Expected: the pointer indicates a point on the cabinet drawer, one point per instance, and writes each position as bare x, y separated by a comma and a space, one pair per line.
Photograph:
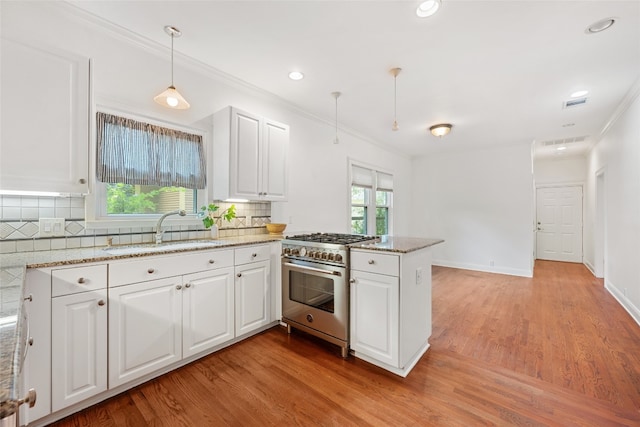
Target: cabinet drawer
151, 268
375, 263
66, 281
252, 254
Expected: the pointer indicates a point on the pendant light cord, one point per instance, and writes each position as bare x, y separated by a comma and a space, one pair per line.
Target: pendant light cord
395, 98
172, 37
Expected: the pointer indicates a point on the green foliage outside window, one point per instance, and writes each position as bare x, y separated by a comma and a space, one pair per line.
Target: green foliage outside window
144, 199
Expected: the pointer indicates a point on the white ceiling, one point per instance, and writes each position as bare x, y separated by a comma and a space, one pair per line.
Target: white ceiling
499, 71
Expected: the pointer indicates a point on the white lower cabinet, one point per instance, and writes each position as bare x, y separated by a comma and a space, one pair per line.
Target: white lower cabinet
78, 347
207, 310
145, 328
374, 316
253, 301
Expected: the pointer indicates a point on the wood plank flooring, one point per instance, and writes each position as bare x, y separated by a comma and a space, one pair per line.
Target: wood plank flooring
555, 350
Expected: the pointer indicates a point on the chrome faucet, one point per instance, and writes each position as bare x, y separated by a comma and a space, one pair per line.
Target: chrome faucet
159, 231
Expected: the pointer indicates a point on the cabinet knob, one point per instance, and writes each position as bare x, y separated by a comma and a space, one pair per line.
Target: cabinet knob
178, 287
239, 274
151, 271
371, 261
254, 255
81, 280
82, 181
29, 298
30, 398
212, 261
101, 302
188, 285
352, 281
30, 341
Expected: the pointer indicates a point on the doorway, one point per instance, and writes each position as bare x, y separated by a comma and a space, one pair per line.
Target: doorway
559, 223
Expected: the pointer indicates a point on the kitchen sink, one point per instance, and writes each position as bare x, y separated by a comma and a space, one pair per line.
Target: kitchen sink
149, 248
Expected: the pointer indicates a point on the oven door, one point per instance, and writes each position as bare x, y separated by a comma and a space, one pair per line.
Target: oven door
315, 295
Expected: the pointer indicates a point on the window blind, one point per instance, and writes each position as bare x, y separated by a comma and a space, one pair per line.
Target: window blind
363, 177
138, 153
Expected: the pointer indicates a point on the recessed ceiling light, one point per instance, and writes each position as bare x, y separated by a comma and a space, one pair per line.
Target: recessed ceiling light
579, 93
427, 8
561, 148
296, 75
600, 25
568, 125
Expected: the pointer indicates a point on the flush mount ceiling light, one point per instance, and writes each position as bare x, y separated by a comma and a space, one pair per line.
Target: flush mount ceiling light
600, 25
296, 75
394, 72
561, 148
579, 93
171, 98
441, 129
427, 8
336, 95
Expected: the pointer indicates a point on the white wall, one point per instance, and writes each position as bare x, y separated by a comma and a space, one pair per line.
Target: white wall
618, 155
128, 72
481, 203
560, 170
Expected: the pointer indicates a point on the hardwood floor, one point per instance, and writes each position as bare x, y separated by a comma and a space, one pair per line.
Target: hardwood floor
555, 350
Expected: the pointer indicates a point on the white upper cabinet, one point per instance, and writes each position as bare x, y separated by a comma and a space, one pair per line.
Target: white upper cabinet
44, 119
249, 157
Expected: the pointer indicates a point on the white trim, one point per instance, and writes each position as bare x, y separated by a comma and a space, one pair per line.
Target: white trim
476, 267
372, 194
633, 311
622, 108
589, 266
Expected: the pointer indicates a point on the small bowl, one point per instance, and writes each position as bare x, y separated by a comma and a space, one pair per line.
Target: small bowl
275, 228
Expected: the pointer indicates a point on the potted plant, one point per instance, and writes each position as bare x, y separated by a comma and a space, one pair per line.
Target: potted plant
209, 220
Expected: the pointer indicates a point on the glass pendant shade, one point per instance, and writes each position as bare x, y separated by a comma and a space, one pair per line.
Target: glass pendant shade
171, 98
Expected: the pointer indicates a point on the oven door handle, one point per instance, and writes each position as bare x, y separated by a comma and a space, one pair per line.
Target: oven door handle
315, 270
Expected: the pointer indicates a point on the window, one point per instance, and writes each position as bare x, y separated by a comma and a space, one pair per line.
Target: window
145, 169
371, 201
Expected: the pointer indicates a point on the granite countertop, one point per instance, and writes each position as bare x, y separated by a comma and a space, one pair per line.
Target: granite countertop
12, 275
398, 244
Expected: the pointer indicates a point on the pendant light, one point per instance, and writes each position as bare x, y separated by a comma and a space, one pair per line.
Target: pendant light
394, 72
171, 98
336, 95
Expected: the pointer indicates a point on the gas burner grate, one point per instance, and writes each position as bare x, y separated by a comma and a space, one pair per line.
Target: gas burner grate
334, 238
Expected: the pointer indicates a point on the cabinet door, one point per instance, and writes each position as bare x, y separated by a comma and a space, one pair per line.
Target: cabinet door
45, 119
245, 168
145, 328
207, 310
374, 316
252, 293
275, 149
78, 347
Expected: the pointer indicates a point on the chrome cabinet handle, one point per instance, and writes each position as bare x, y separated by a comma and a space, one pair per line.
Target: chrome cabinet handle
30, 341
239, 274
188, 285
29, 298
178, 287
30, 398
212, 261
101, 302
81, 280
371, 261
151, 271
352, 281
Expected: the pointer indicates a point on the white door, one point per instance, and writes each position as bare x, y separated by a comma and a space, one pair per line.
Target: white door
78, 347
145, 328
253, 300
559, 223
274, 160
246, 169
207, 310
375, 316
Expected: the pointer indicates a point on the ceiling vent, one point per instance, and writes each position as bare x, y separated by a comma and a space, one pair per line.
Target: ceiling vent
564, 141
574, 102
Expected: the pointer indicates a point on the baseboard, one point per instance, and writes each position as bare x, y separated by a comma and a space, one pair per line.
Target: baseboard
633, 311
476, 267
590, 267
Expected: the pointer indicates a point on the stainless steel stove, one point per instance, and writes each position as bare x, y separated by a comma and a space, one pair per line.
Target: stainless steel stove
315, 284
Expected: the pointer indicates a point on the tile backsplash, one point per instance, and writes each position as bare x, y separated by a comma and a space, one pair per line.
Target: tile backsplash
19, 225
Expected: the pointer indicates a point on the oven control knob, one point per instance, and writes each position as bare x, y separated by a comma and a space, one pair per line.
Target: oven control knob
324, 255
338, 258
303, 251
318, 255
287, 251
311, 254
332, 257
309, 318
295, 251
